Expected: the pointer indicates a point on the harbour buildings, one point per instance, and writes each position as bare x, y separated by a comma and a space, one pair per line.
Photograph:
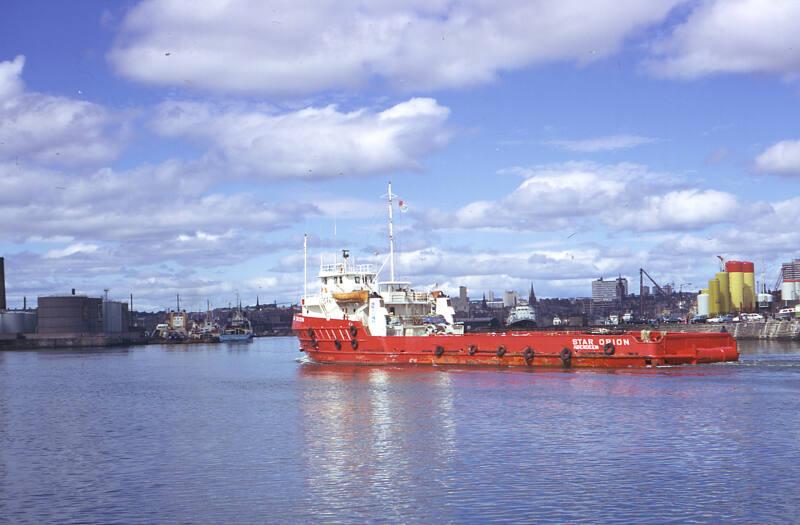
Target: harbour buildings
790, 282
609, 291
70, 314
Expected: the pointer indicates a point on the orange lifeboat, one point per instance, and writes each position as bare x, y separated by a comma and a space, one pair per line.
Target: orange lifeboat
359, 296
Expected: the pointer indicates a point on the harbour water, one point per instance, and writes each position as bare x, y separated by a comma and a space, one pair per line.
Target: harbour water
245, 433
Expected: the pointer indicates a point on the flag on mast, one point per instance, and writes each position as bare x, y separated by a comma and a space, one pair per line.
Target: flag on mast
402, 205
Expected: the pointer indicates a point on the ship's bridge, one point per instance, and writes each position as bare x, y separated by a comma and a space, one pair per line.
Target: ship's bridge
345, 275
398, 292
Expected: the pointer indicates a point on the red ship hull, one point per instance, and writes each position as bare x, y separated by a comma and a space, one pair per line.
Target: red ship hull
347, 342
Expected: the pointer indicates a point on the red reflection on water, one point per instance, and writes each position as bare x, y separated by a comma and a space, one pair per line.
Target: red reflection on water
618, 382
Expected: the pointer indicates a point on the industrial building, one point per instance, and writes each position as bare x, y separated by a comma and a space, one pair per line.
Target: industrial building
70, 314
116, 318
790, 281
609, 291
2, 284
510, 298
13, 322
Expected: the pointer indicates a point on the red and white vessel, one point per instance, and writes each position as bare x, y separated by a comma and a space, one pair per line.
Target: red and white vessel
357, 319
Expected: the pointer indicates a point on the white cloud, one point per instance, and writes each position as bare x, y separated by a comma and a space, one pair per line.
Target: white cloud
312, 142
782, 158
607, 143
106, 205
291, 47
72, 249
11, 78
733, 36
53, 130
767, 235
578, 195
678, 210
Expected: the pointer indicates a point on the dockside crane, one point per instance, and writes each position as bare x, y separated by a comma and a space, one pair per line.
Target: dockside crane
642, 274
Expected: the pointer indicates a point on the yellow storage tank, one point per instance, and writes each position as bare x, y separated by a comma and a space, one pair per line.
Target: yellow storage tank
736, 287
713, 297
749, 274
724, 292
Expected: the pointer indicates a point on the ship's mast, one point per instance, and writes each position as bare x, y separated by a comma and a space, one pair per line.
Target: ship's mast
391, 236
305, 266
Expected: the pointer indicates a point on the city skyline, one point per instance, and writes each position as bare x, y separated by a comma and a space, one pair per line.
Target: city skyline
158, 148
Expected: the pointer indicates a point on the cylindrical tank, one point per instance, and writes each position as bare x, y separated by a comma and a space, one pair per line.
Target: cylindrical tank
749, 275
788, 291
736, 277
702, 304
724, 292
17, 322
713, 297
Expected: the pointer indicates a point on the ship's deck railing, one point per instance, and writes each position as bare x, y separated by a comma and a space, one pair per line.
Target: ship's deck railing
404, 297
340, 268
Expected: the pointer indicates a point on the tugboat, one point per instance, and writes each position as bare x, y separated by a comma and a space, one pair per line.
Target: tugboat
206, 332
357, 319
238, 328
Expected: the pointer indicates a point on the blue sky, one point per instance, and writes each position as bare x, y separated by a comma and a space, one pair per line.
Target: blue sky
168, 147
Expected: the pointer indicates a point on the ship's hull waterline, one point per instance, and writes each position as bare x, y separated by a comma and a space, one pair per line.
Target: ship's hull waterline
347, 342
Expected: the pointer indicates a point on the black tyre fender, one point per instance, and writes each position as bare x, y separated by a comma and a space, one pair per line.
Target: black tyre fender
310, 333
353, 331
565, 355
609, 348
528, 354
501, 351
354, 344
472, 350
439, 351
337, 344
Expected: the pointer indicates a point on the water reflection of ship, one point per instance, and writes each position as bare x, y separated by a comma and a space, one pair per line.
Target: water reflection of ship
373, 430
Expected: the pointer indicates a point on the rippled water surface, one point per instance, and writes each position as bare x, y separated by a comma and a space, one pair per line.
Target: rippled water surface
245, 433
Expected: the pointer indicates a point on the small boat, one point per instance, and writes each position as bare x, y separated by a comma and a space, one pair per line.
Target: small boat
521, 317
238, 328
206, 332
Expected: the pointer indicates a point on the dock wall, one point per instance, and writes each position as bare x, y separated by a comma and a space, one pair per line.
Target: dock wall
67, 340
772, 329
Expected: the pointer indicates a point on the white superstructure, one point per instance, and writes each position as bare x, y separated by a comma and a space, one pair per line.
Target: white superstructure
351, 291
521, 313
